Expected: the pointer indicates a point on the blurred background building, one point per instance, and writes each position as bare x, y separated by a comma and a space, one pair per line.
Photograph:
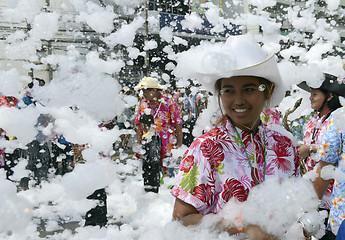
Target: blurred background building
158, 15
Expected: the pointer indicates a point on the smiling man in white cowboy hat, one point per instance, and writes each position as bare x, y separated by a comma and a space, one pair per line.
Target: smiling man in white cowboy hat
167, 121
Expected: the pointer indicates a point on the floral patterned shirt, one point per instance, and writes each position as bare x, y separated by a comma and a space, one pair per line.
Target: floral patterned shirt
270, 116
215, 168
8, 101
312, 135
331, 149
297, 125
166, 116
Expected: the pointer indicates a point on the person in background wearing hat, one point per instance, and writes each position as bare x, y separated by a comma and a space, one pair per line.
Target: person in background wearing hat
331, 152
324, 100
166, 115
241, 152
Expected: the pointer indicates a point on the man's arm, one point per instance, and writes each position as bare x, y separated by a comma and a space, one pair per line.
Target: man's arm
179, 135
139, 129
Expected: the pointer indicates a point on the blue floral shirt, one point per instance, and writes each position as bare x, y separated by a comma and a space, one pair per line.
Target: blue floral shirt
298, 124
331, 149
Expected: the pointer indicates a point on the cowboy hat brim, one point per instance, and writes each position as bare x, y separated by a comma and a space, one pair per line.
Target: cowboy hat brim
148, 82
265, 69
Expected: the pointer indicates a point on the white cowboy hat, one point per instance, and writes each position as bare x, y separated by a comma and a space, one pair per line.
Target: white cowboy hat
239, 56
148, 82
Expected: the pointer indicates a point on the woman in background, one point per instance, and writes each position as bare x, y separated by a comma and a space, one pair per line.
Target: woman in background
324, 100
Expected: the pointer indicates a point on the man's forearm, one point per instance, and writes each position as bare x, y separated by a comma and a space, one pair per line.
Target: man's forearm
179, 135
139, 134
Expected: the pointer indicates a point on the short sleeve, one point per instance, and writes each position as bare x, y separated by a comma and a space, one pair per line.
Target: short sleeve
194, 183
330, 145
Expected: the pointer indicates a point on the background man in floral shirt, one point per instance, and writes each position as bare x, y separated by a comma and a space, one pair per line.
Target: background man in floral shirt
167, 119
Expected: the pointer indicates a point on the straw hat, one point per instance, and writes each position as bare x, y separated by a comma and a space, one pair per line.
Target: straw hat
148, 82
239, 56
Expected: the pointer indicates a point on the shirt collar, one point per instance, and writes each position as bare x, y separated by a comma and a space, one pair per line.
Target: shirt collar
230, 128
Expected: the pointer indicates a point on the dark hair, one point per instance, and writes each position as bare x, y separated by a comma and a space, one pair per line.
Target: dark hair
334, 103
40, 81
269, 87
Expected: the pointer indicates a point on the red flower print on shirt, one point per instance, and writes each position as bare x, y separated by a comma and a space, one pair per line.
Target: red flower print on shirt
234, 188
246, 138
195, 143
233, 177
213, 133
307, 135
212, 149
204, 193
258, 176
257, 149
187, 164
281, 149
282, 140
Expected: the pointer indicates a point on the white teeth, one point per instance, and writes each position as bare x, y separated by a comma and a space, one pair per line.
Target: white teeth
240, 110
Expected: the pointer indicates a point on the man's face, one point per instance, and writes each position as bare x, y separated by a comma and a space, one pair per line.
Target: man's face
150, 94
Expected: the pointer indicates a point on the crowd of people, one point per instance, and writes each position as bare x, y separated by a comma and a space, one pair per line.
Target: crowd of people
238, 153
42, 152
57, 152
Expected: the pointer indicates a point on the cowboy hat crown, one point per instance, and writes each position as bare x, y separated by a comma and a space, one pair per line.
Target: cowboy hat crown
148, 82
240, 55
